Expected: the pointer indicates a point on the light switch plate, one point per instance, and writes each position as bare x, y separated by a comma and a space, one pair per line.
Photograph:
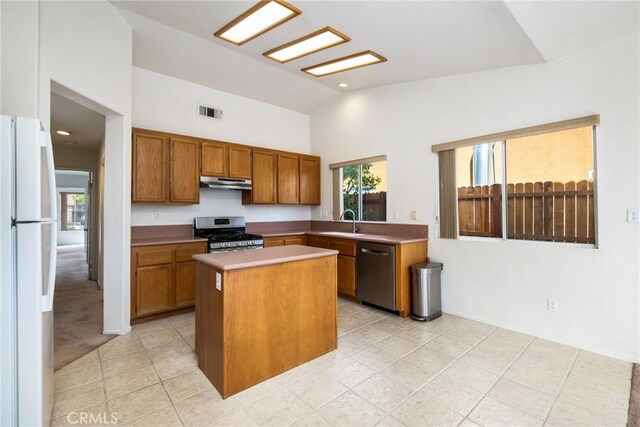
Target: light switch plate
218, 281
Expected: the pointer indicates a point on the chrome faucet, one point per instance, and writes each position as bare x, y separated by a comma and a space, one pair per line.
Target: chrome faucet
354, 229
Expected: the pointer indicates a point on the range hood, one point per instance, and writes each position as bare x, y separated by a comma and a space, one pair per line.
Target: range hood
225, 183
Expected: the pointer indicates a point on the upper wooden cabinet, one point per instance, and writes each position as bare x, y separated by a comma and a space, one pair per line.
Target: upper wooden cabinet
215, 159
264, 179
184, 171
288, 179
239, 162
309, 180
149, 165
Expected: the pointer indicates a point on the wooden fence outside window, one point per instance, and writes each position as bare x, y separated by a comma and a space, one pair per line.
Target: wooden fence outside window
547, 211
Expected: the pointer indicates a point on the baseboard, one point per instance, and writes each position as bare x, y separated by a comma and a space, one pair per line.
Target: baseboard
116, 331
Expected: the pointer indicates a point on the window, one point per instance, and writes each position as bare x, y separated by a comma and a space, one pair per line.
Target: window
361, 186
72, 211
549, 191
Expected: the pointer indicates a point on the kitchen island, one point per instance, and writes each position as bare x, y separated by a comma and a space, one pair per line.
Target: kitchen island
262, 312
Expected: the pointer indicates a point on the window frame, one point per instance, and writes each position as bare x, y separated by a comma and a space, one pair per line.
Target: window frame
64, 223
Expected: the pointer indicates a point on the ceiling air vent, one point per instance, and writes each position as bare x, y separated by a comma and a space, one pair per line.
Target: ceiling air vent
210, 112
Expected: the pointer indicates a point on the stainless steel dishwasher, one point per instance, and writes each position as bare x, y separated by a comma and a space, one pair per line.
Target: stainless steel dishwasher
376, 268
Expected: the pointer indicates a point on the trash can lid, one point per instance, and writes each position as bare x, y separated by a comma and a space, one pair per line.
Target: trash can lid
426, 265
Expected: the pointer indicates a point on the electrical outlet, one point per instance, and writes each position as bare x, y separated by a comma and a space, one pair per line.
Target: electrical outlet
218, 281
414, 215
552, 305
156, 216
633, 215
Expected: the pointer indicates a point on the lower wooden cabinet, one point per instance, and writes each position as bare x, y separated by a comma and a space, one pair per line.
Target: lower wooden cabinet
272, 241
163, 277
347, 275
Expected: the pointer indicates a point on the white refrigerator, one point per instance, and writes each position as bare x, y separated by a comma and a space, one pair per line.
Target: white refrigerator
28, 215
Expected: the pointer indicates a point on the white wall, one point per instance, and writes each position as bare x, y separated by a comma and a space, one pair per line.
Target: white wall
168, 104
507, 283
86, 48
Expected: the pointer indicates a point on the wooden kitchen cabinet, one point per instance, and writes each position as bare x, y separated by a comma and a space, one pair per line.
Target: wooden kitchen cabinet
288, 179
272, 241
347, 275
163, 277
309, 180
264, 179
239, 162
184, 171
215, 160
149, 164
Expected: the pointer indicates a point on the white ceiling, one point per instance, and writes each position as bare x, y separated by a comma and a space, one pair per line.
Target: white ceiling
86, 126
420, 39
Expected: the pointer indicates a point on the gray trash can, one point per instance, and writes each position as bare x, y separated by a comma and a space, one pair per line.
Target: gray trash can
426, 303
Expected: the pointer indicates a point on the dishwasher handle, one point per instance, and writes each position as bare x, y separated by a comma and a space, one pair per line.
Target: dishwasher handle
374, 252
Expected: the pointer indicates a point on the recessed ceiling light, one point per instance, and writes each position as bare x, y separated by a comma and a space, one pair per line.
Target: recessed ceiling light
350, 62
318, 40
63, 132
260, 18
343, 84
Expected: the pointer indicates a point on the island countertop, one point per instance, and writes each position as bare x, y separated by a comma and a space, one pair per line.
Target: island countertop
258, 257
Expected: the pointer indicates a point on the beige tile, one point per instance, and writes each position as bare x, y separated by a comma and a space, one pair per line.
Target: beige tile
347, 324
146, 328
351, 410
525, 398
279, 408
191, 341
90, 358
311, 420
78, 398
186, 385
70, 378
369, 316
120, 346
471, 376
375, 357
567, 414
536, 377
455, 396
159, 337
418, 334
613, 406
257, 391
468, 423
608, 374
391, 324
468, 332
553, 357
187, 328
389, 421
128, 362
349, 344
383, 392
447, 346
348, 372
167, 417
95, 415
139, 403
418, 367
421, 411
127, 382
171, 349
493, 413
509, 339
181, 319
396, 345
599, 363
237, 418
176, 365
317, 389
294, 374
369, 334
204, 408
346, 310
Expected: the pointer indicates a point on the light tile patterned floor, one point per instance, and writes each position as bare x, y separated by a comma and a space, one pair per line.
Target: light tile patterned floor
387, 371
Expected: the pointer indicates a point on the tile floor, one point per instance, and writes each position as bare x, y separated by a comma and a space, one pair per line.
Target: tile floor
387, 371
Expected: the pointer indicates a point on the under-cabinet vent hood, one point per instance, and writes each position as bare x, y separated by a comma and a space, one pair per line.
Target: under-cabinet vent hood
225, 183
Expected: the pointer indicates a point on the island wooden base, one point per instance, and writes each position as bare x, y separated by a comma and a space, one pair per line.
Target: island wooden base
265, 321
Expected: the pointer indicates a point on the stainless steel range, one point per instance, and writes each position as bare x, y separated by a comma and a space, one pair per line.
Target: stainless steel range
226, 234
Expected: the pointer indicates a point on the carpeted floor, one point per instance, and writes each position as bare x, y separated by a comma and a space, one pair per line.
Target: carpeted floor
77, 308
634, 400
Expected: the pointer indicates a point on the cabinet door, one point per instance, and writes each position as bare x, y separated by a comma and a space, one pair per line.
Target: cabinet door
264, 183
317, 242
185, 171
154, 289
347, 275
288, 179
294, 240
149, 168
309, 180
270, 242
214, 159
185, 283
239, 162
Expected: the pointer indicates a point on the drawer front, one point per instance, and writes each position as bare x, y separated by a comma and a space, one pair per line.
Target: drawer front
345, 247
154, 257
187, 251
270, 242
317, 242
294, 240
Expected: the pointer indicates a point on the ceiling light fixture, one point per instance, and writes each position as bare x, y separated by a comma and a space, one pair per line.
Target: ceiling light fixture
318, 40
343, 84
362, 59
262, 17
63, 132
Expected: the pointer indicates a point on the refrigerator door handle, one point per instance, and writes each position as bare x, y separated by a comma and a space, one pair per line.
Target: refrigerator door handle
47, 299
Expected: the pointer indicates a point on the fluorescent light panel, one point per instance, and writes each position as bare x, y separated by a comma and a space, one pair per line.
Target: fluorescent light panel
350, 62
262, 17
318, 40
